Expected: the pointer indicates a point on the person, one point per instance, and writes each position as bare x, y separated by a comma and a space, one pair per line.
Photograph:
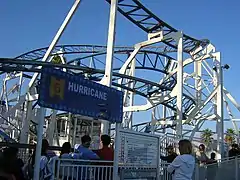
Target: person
201, 155
10, 164
212, 159
66, 150
83, 152
183, 165
171, 155
67, 171
6, 176
105, 153
212, 167
234, 151
44, 169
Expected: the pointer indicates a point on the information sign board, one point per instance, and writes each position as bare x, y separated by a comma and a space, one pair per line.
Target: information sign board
73, 93
138, 149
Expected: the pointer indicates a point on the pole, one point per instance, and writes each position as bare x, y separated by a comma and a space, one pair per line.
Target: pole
105, 126
221, 124
56, 38
179, 86
116, 151
41, 117
219, 106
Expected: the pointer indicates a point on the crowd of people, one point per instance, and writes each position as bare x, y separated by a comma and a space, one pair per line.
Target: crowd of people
12, 168
180, 166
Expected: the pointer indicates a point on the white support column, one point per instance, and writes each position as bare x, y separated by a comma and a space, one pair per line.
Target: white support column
179, 85
41, 119
56, 38
24, 136
51, 128
131, 94
164, 108
69, 124
198, 81
105, 126
74, 131
220, 106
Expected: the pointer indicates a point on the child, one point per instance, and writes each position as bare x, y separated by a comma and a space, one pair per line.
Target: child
183, 166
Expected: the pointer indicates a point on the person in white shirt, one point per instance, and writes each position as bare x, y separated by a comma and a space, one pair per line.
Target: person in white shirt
183, 165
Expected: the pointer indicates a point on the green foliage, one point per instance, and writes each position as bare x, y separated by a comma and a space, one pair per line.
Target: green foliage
230, 136
206, 137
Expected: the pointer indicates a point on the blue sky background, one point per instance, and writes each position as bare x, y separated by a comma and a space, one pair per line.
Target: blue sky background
26, 25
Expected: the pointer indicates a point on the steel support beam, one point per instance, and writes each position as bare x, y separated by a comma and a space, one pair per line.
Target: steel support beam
219, 106
179, 85
107, 79
51, 128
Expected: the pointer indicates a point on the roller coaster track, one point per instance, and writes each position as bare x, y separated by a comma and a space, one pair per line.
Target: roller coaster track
142, 87
138, 14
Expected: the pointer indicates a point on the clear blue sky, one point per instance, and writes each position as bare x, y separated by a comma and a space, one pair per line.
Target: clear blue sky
26, 25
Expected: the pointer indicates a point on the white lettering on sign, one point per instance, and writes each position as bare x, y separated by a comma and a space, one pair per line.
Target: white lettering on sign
77, 88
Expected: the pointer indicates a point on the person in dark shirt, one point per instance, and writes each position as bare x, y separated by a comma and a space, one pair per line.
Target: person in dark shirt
212, 160
234, 151
171, 155
11, 164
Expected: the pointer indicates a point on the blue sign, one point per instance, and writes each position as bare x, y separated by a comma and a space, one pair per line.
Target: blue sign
72, 93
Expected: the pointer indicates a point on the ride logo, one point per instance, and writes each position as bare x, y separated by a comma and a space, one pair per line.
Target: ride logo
57, 88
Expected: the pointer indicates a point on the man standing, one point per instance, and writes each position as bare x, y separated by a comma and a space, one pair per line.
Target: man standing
105, 153
83, 152
171, 155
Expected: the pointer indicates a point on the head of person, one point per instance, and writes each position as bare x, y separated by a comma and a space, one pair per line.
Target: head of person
185, 147
66, 148
86, 141
170, 149
201, 147
213, 155
45, 146
106, 140
10, 153
234, 146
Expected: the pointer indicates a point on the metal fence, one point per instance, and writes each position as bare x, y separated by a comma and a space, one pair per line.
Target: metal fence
69, 169
224, 170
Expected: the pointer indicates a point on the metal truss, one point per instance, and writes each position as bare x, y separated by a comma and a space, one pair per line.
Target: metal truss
138, 14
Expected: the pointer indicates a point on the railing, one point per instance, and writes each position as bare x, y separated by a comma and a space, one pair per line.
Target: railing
224, 170
68, 169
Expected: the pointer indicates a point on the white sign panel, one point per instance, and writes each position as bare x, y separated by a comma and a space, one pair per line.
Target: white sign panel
138, 148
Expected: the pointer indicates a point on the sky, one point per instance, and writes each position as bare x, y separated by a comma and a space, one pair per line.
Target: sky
26, 25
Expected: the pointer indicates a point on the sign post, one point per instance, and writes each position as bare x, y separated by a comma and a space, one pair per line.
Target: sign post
41, 119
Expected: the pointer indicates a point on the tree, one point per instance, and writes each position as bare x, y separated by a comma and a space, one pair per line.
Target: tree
206, 137
230, 136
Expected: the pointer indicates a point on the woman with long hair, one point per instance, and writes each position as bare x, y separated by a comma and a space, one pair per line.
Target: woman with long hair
183, 165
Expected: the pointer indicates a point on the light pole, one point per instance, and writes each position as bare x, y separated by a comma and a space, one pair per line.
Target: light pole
220, 120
